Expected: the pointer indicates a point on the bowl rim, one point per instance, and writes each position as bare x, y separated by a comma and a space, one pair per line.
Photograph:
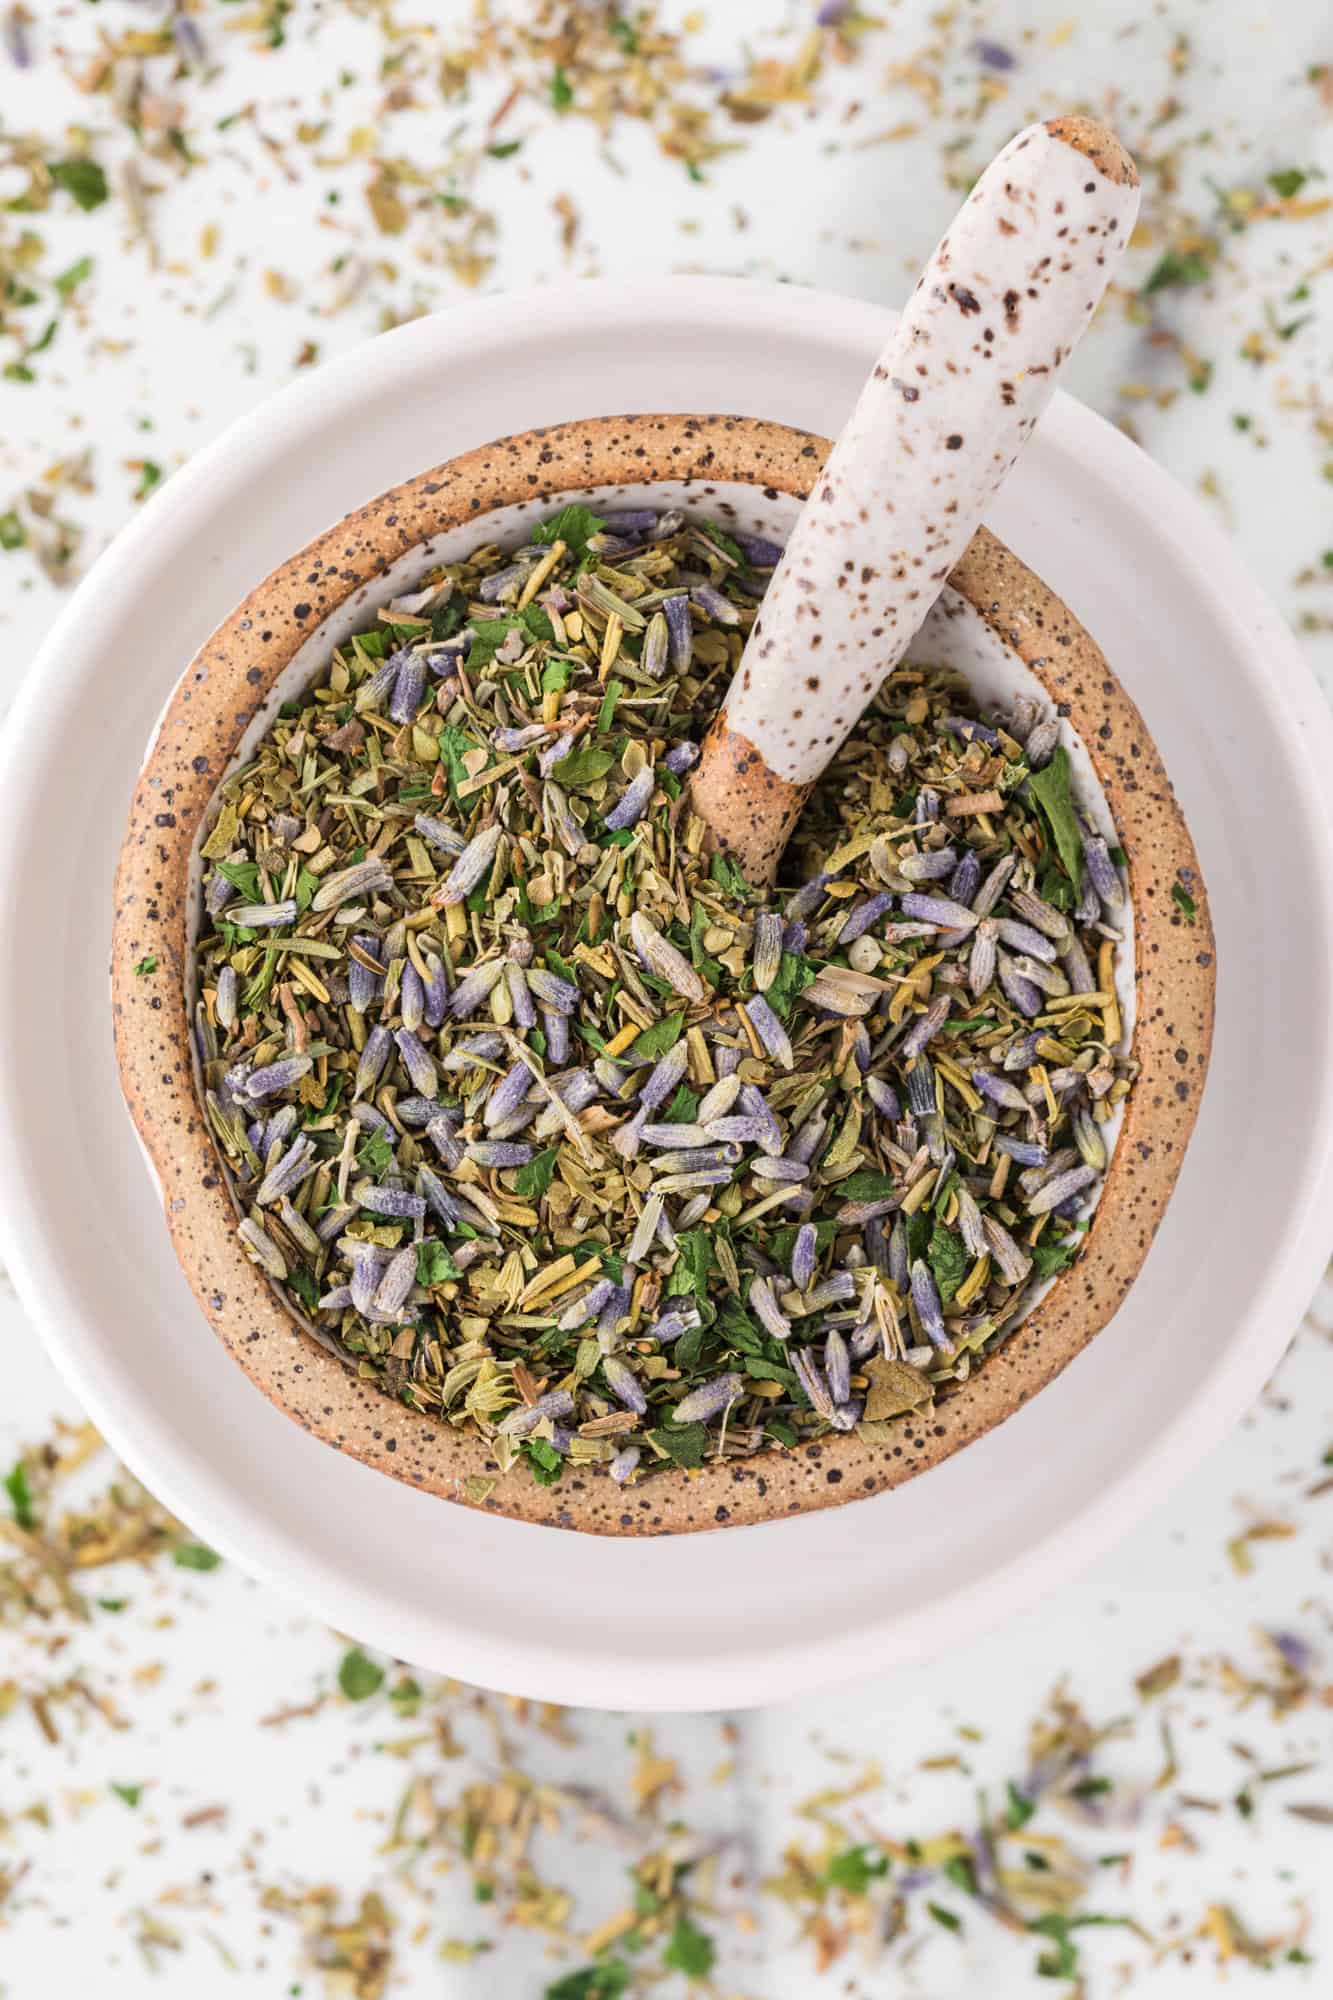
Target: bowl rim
216, 701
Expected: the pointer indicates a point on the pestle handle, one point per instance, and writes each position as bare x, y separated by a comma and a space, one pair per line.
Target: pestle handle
971, 365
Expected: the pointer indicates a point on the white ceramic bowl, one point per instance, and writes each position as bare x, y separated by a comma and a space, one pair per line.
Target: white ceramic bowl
756, 1613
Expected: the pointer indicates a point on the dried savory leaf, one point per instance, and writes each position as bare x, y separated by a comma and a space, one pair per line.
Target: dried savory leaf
895, 1387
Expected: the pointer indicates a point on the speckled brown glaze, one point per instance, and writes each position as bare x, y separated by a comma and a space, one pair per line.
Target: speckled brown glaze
750, 811
1097, 145
205, 719
965, 375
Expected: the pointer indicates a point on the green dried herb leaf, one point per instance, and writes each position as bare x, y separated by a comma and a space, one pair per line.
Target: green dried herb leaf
582, 767
655, 1041
686, 1444
867, 1185
13, 534
145, 966
723, 541
614, 690
129, 1795
739, 1330
1050, 1257
434, 1264
855, 1869
1018, 1808
446, 619
689, 1348
729, 878
489, 634
1050, 788
375, 1154
303, 1283
359, 1677
20, 1497
572, 526
69, 280
707, 968
454, 746
1174, 267
1062, 1963
606, 1981
694, 1264
194, 1555
533, 1180
689, 1950
948, 1261
81, 179
794, 974
243, 875
546, 1462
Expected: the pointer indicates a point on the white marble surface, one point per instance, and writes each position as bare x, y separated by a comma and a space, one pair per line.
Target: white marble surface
151, 359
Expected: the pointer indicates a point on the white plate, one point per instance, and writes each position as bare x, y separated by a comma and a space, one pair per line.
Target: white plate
749, 1614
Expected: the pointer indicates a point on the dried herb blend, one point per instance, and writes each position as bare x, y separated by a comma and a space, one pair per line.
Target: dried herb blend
547, 1121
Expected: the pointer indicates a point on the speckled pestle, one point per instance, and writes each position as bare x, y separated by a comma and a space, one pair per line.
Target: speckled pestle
950, 403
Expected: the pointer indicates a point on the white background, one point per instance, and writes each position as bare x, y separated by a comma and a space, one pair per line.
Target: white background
154, 358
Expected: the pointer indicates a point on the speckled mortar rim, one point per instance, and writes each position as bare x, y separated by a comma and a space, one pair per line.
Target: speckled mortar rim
209, 712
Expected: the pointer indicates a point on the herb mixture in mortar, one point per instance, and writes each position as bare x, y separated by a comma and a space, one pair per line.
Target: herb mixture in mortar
549, 1123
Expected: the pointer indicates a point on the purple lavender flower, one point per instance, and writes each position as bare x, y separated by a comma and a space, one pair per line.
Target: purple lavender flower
864, 916
709, 1400
624, 1384
438, 834
409, 687
680, 758
276, 1076
680, 632
1025, 996
633, 802
392, 1201
373, 1057
926, 1299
